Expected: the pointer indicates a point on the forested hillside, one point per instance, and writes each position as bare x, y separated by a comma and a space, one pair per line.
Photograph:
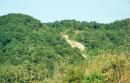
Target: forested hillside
35, 52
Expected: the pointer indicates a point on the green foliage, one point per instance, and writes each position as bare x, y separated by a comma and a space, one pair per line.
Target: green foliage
94, 78
23, 73
26, 43
74, 75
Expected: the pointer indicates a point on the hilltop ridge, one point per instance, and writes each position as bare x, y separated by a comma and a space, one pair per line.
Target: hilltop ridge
32, 51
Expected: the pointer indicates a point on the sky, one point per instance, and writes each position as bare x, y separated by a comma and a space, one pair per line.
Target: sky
103, 11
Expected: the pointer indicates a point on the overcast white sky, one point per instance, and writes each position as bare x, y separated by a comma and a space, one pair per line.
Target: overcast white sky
83, 10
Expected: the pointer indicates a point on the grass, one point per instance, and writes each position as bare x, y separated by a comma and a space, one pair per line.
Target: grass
105, 68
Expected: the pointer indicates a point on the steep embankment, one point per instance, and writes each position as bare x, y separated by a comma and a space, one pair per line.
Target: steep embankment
75, 44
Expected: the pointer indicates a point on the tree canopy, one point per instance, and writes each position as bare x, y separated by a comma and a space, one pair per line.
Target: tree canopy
28, 44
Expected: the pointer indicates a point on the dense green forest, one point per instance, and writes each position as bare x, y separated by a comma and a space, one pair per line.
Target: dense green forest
35, 52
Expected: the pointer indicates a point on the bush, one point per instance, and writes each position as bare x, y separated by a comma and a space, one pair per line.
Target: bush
74, 75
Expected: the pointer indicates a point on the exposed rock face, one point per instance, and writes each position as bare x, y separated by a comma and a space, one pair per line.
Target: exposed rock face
75, 44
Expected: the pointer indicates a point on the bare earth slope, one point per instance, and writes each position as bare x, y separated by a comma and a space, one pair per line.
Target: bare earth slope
75, 44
